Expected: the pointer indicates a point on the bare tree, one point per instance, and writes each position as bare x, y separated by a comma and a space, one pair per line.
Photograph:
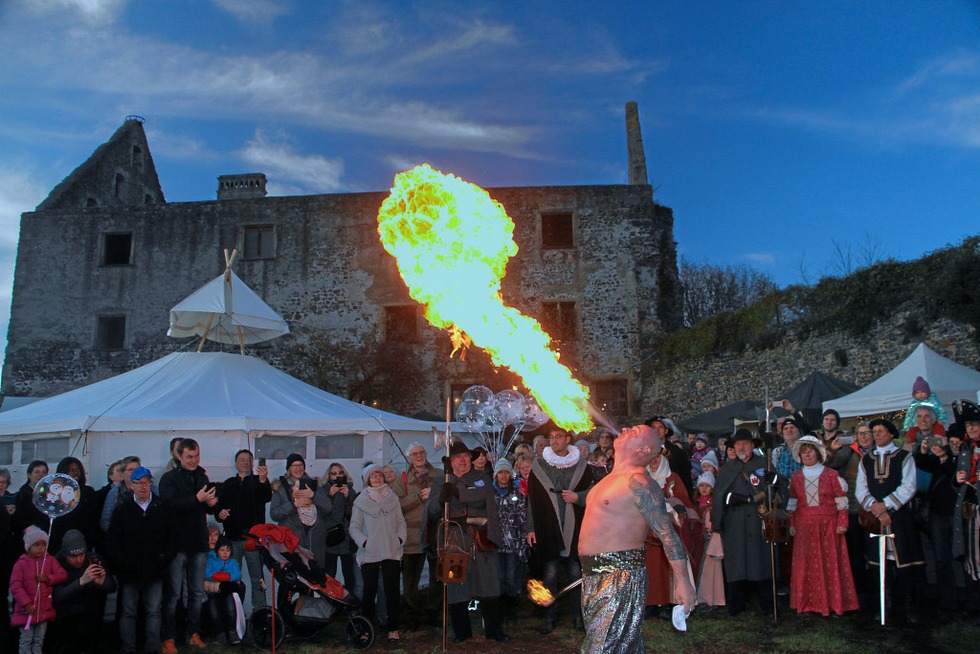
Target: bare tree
709, 290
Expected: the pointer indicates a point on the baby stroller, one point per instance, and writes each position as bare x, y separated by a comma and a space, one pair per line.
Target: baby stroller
306, 600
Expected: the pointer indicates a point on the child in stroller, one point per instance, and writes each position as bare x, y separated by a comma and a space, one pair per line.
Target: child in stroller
306, 600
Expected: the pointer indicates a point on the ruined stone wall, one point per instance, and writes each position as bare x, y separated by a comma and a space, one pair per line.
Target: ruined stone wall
690, 388
329, 276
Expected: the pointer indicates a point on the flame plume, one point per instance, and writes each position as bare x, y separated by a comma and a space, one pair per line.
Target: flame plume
452, 242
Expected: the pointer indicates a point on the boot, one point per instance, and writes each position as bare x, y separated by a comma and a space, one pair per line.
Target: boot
460, 617
492, 620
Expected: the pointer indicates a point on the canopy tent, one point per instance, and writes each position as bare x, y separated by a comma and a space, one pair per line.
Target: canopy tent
723, 419
226, 401
810, 394
227, 311
893, 391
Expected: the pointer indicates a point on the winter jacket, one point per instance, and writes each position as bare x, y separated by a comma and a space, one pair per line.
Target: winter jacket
178, 489
73, 600
245, 498
408, 487
283, 512
25, 590
216, 565
338, 513
378, 528
136, 542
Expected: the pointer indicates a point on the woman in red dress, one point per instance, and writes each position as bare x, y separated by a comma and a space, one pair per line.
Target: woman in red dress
822, 581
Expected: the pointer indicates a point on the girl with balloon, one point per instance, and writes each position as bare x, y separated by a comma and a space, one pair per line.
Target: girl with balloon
35, 573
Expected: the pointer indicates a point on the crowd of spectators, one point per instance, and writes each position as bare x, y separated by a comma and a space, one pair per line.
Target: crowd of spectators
168, 553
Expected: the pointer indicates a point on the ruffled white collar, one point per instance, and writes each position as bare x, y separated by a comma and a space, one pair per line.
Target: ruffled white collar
566, 461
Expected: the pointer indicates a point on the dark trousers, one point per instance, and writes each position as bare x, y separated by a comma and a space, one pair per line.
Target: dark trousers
550, 571
737, 594
941, 532
388, 570
219, 610
131, 595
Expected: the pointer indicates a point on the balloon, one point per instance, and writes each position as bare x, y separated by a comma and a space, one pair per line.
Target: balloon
482, 395
511, 404
495, 420
534, 416
471, 414
56, 495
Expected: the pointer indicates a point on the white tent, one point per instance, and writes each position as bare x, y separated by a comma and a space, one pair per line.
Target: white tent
225, 401
893, 390
226, 310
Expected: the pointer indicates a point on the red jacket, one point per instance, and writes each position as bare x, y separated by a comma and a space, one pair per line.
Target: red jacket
24, 588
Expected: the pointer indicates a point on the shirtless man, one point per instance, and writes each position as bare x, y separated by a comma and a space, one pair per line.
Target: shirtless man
621, 509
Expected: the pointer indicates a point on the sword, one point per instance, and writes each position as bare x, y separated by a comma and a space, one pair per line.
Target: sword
882, 562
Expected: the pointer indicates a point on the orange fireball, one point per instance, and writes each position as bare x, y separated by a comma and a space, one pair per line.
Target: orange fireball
452, 242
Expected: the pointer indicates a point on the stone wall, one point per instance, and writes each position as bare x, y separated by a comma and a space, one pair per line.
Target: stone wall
690, 388
330, 279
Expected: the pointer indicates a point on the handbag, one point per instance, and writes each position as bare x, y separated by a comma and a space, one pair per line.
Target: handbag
482, 542
336, 535
969, 510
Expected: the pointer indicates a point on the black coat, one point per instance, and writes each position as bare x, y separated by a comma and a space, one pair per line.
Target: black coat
72, 600
179, 488
245, 499
136, 542
545, 504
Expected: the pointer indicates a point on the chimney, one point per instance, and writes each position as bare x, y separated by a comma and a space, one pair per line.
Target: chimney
241, 187
637, 164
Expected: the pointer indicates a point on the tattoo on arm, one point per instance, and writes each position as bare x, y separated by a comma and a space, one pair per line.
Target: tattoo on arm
651, 505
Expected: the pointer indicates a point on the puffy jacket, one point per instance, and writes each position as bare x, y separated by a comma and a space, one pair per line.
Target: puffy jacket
25, 590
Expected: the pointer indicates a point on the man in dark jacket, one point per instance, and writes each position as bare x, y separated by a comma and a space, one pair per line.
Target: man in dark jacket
556, 493
136, 545
241, 506
190, 497
739, 491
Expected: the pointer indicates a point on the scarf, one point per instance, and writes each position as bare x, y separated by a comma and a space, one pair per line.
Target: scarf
560, 462
377, 493
502, 491
814, 471
661, 473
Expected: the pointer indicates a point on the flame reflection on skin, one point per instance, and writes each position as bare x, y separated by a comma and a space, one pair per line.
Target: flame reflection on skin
538, 593
452, 242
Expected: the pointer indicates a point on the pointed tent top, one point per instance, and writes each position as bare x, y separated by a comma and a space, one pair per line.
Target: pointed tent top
226, 310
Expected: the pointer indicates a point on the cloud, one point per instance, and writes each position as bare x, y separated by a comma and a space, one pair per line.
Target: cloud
760, 257
254, 11
91, 11
289, 172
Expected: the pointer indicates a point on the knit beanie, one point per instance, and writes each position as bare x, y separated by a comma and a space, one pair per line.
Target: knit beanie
503, 464
921, 385
706, 478
711, 458
73, 543
368, 469
294, 458
33, 535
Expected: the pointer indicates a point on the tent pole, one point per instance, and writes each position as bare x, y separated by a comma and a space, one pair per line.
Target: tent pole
207, 330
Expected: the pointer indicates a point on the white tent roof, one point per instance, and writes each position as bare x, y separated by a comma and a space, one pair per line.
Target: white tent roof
197, 391
226, 310
893, 390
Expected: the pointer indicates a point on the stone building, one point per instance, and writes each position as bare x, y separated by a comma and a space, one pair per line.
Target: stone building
102, 260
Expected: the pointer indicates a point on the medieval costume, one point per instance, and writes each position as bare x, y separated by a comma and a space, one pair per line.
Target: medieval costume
888, 475
822, 580
966, 525
472, 507
687, 524
739, 489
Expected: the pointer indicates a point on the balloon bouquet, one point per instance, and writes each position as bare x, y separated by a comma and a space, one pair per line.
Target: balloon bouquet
489, 414
54, 496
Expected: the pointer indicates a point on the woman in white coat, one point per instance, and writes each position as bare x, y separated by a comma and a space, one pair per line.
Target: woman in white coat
377, 527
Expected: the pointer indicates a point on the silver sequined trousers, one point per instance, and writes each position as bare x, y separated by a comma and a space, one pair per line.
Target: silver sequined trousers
614, 590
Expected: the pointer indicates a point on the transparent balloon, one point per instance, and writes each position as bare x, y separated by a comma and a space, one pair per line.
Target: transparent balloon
534, 415
482, 395
56, 495
511, 404
471, 415
495, 421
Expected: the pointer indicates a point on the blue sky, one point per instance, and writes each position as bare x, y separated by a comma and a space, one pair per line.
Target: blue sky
777, 131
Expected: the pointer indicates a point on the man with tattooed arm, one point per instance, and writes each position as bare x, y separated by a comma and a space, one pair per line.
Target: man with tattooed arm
620, 510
